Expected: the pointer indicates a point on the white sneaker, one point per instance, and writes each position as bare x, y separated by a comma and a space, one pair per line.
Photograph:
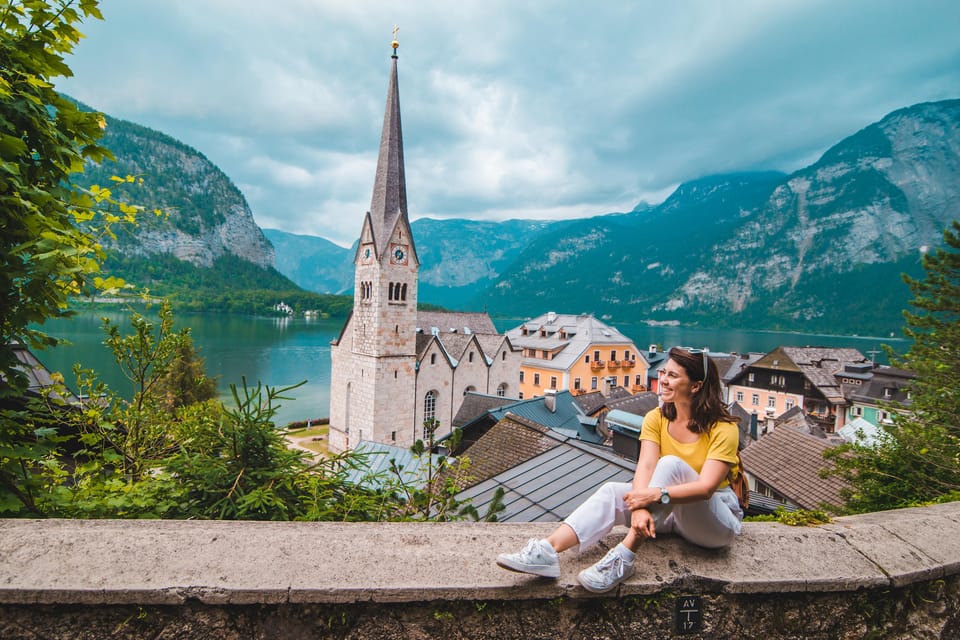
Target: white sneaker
606, 574
533, 558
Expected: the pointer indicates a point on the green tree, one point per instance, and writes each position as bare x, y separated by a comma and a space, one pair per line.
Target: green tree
917, 459
50, 241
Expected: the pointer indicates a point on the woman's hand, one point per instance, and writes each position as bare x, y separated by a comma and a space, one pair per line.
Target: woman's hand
641, 498
642, 524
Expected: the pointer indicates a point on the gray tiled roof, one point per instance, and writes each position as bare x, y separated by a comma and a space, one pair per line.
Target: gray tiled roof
477, 404
819, 365
377, 458
461, 322
789, 462
548, 486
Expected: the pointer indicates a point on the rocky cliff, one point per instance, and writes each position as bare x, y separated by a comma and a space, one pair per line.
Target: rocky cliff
207, 217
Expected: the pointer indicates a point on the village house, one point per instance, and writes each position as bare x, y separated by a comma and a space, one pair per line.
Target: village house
393, 368
788, 377
576, 353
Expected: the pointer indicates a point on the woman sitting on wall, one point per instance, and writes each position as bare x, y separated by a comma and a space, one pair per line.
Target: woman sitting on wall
688, 448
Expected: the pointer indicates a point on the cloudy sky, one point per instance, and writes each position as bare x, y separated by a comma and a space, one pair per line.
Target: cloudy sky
529, 109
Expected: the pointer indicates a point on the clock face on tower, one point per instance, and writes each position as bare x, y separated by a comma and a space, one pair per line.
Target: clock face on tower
366, 253
398, 254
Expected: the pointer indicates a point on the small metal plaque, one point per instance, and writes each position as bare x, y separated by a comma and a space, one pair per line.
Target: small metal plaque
689, 615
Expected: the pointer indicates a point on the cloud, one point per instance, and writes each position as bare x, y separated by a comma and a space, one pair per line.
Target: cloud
547, 110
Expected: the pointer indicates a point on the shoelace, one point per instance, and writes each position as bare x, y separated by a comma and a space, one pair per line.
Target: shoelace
611, 561
529, 551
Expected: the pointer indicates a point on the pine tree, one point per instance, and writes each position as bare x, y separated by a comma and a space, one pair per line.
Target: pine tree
918, 457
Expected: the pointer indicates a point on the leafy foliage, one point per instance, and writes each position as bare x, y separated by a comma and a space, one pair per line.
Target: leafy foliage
44, 256
170, 451
917, 459
798, 518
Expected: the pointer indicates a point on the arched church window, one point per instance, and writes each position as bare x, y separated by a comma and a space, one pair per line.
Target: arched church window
390, 293
502, 389
469, 389
503, 356
433, 358
430, 405
403, 292
470, 357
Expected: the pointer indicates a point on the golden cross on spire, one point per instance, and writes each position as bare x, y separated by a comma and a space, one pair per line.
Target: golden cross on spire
395, 43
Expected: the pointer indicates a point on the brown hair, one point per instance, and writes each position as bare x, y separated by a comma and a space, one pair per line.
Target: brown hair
707, 407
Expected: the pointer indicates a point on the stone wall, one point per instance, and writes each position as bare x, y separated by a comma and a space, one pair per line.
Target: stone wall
885, 575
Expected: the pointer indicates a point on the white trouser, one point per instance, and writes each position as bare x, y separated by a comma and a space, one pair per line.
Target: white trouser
709, 523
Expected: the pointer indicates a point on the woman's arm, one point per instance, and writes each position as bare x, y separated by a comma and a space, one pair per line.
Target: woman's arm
712, 475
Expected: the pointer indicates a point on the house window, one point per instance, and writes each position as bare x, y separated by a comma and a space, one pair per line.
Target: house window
638, 381
739, 396
771, 402
430, 405
858, 411
536, 379
586, 359
626, 354
790, 404
750, 377
613, 354
626, 381
502, 389
593, 382
755, 399
521, 376
596, 356
576, 383
520, 396
393, 436
553, 382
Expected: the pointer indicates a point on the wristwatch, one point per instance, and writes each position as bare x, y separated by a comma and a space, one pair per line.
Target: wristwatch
664, 496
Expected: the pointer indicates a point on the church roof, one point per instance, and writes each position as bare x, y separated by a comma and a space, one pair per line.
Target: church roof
455, 322
389, 202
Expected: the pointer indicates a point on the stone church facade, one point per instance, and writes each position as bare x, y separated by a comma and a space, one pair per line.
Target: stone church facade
393, 368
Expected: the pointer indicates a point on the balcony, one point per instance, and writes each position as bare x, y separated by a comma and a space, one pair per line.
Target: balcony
597, 364
628, 364
613, 364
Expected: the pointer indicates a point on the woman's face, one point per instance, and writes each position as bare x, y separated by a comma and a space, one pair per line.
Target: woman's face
675, 384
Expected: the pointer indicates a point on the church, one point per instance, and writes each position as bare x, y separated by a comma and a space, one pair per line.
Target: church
392, 367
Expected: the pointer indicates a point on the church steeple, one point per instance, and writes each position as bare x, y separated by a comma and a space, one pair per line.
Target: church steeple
389, 202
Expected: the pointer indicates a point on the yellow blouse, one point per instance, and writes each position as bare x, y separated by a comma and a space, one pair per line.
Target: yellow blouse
720, 443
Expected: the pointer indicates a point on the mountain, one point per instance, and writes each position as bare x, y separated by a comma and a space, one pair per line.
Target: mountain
313, 263
206, 252
817, 250
454, 264
207, 217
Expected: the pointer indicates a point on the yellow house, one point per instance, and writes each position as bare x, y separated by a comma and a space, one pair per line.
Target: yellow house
577, 353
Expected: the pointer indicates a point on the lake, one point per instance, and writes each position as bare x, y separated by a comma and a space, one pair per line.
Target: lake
284, 351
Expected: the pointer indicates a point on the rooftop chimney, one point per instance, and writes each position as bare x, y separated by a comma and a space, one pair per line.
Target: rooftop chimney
550, 400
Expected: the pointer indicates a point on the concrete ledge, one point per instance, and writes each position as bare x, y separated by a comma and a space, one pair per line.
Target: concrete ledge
97, 562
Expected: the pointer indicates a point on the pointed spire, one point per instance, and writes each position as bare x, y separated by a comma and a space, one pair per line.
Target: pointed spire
389, 200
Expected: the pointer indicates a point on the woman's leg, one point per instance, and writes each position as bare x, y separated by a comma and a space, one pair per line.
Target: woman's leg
710, 523
594, 518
